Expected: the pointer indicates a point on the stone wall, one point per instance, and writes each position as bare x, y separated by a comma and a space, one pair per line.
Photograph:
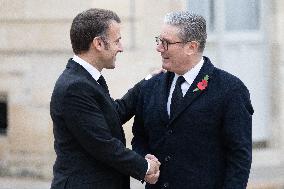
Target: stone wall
34, 47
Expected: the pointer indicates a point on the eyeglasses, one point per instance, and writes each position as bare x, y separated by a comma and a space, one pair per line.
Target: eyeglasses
166, 43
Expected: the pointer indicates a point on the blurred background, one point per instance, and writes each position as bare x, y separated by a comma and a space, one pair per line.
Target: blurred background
244, 38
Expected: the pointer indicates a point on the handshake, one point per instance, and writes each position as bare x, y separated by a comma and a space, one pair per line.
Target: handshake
153, 173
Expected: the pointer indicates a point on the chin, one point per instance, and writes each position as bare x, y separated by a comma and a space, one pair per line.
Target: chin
110, 65
166, 67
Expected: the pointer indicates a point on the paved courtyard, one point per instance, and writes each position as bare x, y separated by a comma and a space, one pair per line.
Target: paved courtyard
262, 178
24, 183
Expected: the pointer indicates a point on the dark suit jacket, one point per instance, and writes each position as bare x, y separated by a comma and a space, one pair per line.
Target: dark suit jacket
89, 139
208, 144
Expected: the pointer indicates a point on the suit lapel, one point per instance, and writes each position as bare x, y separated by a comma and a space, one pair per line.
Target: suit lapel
84, 73
114, 123
80, 70
190, 96
164, 89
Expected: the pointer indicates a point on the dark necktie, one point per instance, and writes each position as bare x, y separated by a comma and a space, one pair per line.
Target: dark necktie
176, 96
103, 84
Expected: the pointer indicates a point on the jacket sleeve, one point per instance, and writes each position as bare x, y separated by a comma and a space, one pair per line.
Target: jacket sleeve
126, 106
86, 122
140, 137
238, 138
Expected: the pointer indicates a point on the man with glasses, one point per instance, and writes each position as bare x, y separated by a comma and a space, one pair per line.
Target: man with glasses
89, 139
196, 119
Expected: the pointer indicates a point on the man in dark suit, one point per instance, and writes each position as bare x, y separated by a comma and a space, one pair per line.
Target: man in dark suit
196, 119
87, 123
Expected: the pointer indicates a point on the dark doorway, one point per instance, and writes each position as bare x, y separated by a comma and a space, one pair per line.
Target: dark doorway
3, 116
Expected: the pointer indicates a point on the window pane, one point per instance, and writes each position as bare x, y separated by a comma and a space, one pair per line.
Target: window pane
204, 8
242, 15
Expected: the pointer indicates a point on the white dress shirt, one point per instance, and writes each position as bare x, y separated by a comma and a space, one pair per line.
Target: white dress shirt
91, 69
189, 78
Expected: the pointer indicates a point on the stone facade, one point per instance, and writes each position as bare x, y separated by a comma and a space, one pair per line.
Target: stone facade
35, 47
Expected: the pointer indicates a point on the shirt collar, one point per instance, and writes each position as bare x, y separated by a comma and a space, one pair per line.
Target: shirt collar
191, 74
91, 69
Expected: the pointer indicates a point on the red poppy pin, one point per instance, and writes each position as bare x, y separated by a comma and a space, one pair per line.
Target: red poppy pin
202, 84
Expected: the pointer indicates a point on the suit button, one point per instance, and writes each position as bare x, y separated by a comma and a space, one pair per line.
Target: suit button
168, 158
166, 185
170, 132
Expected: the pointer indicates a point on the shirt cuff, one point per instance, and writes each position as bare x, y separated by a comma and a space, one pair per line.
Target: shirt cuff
148, 167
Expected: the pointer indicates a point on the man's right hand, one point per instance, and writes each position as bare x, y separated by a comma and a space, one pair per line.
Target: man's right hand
154, 172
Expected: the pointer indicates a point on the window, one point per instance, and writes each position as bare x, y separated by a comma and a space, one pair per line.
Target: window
238, 15
242, 15
206, 8
3, 115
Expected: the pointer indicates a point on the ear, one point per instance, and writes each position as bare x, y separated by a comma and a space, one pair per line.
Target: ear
98, 44
191, 47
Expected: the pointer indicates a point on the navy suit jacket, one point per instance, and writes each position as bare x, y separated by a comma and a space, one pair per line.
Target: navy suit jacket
89, 139
208, 143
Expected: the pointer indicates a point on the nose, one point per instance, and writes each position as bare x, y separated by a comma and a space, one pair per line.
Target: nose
160, 48
120, 48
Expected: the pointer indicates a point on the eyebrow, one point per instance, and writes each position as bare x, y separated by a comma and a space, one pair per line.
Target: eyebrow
165, 39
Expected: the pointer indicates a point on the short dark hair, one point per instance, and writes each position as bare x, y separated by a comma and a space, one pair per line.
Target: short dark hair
90, 24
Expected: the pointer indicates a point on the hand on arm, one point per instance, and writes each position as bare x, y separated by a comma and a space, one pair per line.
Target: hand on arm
155, 72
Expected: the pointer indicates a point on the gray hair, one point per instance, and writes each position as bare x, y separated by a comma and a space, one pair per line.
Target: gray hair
192, 26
